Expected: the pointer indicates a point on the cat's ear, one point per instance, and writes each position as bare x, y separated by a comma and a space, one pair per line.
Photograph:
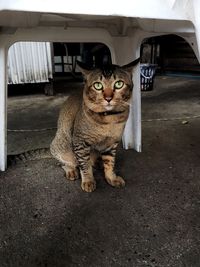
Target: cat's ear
84, 68
130, 66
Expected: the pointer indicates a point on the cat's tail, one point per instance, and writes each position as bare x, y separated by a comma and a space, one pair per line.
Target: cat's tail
35, 154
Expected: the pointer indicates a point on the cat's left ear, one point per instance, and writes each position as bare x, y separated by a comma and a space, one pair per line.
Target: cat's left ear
129, 67
84, 68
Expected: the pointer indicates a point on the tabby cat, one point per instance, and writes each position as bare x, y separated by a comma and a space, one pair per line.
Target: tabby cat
92, 124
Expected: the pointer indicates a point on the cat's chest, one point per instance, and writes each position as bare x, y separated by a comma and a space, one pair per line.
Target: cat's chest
98, 135
107, 138
105, 143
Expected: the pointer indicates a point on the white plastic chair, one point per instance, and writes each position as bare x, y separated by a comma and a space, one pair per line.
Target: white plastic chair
121, 25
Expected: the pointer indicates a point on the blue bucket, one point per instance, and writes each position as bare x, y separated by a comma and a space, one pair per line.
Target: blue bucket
147, 74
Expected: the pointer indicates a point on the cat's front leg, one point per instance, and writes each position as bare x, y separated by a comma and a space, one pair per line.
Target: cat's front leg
108, 158
82, 152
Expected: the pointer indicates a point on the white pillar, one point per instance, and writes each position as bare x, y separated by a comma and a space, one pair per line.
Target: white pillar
126, 50
3, 108
196, 21
132, 137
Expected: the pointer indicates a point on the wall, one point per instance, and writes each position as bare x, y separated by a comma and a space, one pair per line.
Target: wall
29, 62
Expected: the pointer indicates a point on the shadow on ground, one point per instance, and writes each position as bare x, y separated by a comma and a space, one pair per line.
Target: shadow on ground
153, 221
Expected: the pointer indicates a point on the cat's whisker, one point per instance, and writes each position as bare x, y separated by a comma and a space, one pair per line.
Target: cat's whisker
126, 103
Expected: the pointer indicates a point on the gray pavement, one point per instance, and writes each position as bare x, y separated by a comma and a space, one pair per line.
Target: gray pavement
48, 221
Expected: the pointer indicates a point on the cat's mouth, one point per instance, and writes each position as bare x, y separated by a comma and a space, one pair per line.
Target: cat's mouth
108, 107
111, 112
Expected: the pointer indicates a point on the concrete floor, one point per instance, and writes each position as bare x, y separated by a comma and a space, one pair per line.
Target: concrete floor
154, 221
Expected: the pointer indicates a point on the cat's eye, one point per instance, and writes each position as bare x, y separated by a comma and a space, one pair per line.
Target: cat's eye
98, 86
118, 84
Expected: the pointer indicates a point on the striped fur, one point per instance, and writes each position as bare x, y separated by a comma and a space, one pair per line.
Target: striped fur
35, 154
92, 123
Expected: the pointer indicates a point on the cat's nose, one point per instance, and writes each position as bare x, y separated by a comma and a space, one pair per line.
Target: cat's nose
108, 94
108, 98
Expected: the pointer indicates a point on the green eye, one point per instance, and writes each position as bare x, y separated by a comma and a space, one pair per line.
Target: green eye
98, 86
118, 84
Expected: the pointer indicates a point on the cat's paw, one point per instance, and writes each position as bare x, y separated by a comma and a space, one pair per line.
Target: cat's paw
71, 174
116, 182
88, 186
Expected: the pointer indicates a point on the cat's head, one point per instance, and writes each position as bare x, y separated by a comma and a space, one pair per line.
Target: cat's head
108, 88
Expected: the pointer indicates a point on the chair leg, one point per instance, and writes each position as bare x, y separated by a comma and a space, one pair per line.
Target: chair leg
197, 44
132, 133
196, 21
126, 50
3, 109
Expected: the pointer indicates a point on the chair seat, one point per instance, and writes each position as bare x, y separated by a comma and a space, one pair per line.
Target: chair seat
121, 25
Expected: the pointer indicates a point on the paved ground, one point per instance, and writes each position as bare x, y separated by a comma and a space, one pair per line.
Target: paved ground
154, 221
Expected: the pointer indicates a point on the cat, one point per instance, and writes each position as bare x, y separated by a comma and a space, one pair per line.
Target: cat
91, 124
